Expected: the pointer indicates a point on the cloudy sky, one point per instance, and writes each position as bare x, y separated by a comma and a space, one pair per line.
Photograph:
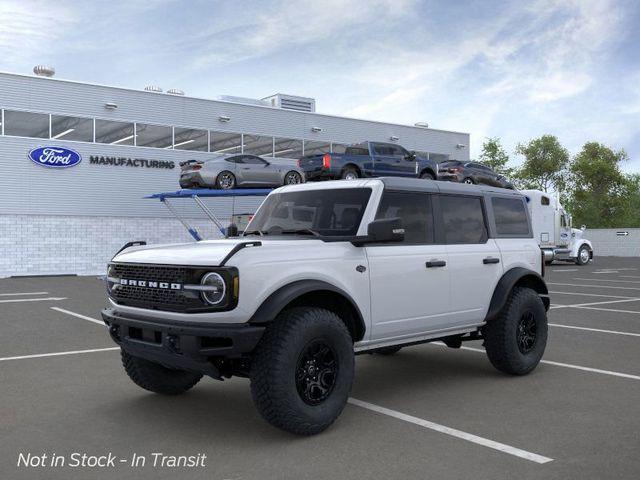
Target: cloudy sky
513, 69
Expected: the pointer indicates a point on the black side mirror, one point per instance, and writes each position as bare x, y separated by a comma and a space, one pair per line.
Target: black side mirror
411, 156
231, 231
384, 230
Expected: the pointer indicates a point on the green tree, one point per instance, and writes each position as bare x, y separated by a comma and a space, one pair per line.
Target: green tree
601, 195
545, 164
495, 156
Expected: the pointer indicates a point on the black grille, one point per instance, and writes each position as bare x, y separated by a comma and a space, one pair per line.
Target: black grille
155, 298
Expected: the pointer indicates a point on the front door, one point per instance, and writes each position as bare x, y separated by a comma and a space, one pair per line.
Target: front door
475, 263
257, 171
409, 280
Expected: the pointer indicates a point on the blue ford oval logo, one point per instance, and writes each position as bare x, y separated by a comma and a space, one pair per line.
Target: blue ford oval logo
55, 157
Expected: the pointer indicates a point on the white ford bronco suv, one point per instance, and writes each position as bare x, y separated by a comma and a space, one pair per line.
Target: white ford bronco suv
325, 271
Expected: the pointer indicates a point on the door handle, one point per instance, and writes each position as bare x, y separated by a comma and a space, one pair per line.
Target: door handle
436, 263
490, 260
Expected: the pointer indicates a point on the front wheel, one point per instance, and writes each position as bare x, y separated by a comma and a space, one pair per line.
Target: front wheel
516, 340
302, 372
427, 176
583, 255
225, 180
292, 178
158, 378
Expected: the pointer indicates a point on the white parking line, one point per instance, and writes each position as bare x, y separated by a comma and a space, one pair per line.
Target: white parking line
629, 276
588, 294
610, 310
74, 314
48, 299
605, 272
577, 305
25, 293
57, 354
594, 286
607, 280
562, 271
598, 330
485, 442
566, 365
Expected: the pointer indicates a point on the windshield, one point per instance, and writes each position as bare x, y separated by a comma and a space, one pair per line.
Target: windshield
328, 212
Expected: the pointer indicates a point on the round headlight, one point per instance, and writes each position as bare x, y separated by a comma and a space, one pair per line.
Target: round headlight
215, 288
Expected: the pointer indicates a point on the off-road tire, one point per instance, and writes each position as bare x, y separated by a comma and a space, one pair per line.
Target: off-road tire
427, 176
579, 260
157, 378
388, 350
348, 172
501, 333
277, 361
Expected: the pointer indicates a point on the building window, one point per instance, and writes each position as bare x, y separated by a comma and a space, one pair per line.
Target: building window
316, 148
190, 139
258, 145
26, 124
156, 136
438, 157
71, 128
114, 133
287, 148
338, 147
226, 143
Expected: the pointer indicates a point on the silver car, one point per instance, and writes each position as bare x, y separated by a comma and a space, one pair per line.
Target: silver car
231, 171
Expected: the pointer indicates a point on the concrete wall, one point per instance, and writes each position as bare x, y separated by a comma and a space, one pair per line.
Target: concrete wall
610, 242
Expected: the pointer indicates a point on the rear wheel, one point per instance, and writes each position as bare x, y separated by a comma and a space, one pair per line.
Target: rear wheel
302, 371
584, 255
427, 176
349, 173
516, 340
225, 180
468, 181
292, 178
158, 378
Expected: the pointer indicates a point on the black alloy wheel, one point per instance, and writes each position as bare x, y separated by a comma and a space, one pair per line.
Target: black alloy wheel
316, 372
526, 332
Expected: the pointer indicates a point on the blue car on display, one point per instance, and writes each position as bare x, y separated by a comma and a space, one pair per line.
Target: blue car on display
368, 159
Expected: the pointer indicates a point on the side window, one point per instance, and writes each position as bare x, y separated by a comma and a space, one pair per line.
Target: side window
511, 217
414, 209
250, 159
381, 149
545, 200
234, 159
463, 219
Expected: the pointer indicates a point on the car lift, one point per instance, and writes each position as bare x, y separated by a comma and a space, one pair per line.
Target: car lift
197, 195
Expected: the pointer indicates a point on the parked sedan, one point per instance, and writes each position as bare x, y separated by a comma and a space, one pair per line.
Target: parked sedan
472, 173
225, 172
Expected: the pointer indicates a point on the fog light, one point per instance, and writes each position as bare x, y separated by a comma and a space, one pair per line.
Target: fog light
215, 288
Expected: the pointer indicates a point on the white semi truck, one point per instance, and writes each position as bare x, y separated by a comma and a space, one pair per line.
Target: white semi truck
553, 230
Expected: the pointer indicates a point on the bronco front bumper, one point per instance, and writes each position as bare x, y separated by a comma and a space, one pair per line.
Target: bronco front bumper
179, 345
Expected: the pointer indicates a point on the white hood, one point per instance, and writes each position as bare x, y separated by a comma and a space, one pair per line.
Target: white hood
200, 253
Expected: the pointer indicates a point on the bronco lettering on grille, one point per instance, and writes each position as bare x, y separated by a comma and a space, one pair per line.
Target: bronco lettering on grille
150, 284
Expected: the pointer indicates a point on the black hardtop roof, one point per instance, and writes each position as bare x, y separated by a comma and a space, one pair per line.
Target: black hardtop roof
433, 186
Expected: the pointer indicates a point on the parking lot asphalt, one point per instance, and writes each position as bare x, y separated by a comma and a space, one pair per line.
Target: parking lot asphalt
427, 412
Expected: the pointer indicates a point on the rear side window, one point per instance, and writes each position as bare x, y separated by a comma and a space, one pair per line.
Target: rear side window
463, 219
510, 216
414, 209
357, 151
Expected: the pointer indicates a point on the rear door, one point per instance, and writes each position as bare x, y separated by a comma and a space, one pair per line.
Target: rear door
475, 264
409, 280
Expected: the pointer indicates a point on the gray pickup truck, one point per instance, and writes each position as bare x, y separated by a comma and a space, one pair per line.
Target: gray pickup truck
368, 159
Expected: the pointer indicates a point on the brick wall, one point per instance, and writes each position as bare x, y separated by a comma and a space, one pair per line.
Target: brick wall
50, 245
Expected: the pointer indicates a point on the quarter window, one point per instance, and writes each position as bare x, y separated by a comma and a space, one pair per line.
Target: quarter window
414, 210
463, 219
510, 216
26, 124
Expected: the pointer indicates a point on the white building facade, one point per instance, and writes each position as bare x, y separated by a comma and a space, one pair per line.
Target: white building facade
129, 144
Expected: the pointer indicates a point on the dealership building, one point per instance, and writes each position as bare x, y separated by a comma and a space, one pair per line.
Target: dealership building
127, 144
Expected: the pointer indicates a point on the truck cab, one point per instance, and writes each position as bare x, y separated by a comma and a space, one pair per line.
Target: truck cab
552, 228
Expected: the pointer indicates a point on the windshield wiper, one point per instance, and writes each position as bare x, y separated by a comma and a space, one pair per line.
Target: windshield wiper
301, 231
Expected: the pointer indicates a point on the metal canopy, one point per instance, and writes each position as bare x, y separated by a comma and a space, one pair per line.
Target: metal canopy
196, 195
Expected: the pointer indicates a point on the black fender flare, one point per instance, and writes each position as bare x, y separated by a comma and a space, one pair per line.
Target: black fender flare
278, 300
516, 276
